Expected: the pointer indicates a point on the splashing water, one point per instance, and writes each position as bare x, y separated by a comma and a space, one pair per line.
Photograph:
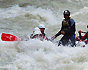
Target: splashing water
21, 17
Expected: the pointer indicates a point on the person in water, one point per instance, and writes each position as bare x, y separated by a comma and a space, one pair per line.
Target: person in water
42, 29
67, 29
83, 38
36, 34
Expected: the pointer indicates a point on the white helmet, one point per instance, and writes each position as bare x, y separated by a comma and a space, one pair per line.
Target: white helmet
36, 31
41, 26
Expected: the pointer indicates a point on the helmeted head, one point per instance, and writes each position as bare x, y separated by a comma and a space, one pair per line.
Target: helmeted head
36, 31
42, 28
66, 14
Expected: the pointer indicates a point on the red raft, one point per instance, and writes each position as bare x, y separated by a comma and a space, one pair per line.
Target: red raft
9, 37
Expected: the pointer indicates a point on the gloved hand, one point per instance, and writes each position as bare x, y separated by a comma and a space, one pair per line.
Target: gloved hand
52, 38
80, 31
77, 38
81, 40
62, 32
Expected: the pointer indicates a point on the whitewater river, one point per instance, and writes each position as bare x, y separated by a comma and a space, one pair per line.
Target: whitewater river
20, 17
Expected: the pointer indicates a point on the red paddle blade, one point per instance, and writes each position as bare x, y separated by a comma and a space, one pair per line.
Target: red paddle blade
8, 37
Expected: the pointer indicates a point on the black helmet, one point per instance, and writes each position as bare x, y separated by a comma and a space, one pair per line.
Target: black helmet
87, 26
66, 12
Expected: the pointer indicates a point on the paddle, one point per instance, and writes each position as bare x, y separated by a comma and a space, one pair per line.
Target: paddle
9, 37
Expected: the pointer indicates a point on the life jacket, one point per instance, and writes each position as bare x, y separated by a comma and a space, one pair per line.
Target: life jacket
85, 38
43, 37
36, 36
67, 24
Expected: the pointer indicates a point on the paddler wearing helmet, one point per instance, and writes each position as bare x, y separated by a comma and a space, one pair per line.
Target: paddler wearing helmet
36, 33
42, 29
67, 29
83, 38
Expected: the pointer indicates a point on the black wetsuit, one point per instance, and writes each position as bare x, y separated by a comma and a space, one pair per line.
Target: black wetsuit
68, 26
